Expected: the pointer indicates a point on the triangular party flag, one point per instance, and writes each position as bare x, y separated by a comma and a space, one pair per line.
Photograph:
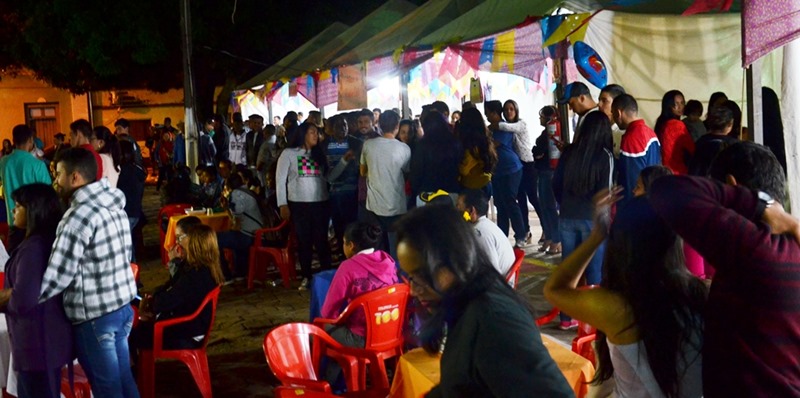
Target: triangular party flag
487, 51
573, 27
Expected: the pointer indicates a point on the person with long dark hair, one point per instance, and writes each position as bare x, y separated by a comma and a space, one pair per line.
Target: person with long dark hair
41, 334
7, 147
435, 160
107, 146
507, 175
480, 156
493, 347
302, 193
773, 125
736, 129
366, 269
717, 98
407, 133
131, 183
546, 155
523, 145
677, 145
586, 167
648, 308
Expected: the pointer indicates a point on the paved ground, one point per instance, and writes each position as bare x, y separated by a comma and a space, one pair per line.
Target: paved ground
237, 364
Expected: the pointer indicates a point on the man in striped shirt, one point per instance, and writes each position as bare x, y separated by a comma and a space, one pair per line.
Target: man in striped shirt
90, 264
751, 342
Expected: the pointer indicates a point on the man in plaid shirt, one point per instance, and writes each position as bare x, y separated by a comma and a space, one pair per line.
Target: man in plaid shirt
90, 264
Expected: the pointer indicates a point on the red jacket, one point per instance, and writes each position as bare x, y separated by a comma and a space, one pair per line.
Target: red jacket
677, 146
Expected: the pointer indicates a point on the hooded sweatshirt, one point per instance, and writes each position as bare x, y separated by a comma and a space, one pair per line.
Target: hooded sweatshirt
362, 273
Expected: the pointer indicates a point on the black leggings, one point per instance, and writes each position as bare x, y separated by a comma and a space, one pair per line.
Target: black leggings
310, 220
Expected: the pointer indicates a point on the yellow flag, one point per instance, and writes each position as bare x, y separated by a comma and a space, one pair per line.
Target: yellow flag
570, 24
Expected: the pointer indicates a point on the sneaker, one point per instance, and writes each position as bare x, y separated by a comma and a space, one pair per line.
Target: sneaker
304, 285
239, 279
567, 325
227, 282
520, 244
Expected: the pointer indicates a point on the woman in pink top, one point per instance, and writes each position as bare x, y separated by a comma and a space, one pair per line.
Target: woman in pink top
366, 269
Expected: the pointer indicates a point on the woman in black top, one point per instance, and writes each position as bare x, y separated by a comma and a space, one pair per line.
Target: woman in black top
435, 160
491, 346
184, 292
585, 168
544, 168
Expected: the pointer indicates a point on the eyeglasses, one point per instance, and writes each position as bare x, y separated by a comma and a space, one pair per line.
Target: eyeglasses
417, 283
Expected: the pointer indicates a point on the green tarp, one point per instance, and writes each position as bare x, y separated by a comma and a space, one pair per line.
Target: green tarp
286, 66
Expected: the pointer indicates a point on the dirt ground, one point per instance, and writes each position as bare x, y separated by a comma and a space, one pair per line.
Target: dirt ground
236, 360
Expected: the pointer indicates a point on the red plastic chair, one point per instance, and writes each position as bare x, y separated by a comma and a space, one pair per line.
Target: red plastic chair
294, 392
81, 387
294, 352
582, 344
195, 359
385, 310
547, 318
283, 257
135, 269
512, 277
163, 216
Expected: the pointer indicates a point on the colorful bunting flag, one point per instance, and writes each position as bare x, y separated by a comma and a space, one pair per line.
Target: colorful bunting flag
701, 6
573, 28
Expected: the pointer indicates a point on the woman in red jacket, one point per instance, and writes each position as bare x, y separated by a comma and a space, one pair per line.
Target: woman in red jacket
677, 146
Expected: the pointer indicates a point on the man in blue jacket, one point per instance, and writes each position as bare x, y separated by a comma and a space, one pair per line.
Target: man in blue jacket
639, 147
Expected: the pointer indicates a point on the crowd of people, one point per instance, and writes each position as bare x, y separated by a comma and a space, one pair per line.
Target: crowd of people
649, 218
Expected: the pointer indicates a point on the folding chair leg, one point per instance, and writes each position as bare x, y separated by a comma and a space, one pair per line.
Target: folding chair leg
198, 366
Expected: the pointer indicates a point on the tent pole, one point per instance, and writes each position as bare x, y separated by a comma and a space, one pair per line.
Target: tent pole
560, 67
404, 77
269, 109
755, 121
189, 120
790, 101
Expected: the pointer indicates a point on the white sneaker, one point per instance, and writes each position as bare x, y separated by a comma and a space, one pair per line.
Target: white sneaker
303, 284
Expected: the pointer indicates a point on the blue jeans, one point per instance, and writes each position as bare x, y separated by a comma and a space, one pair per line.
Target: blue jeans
344, 210
573, 233
102, 346
389, 237
547, 203
505, 198
528, 192
239, 244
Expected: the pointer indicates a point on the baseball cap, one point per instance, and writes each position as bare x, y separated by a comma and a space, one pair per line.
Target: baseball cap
573, 89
